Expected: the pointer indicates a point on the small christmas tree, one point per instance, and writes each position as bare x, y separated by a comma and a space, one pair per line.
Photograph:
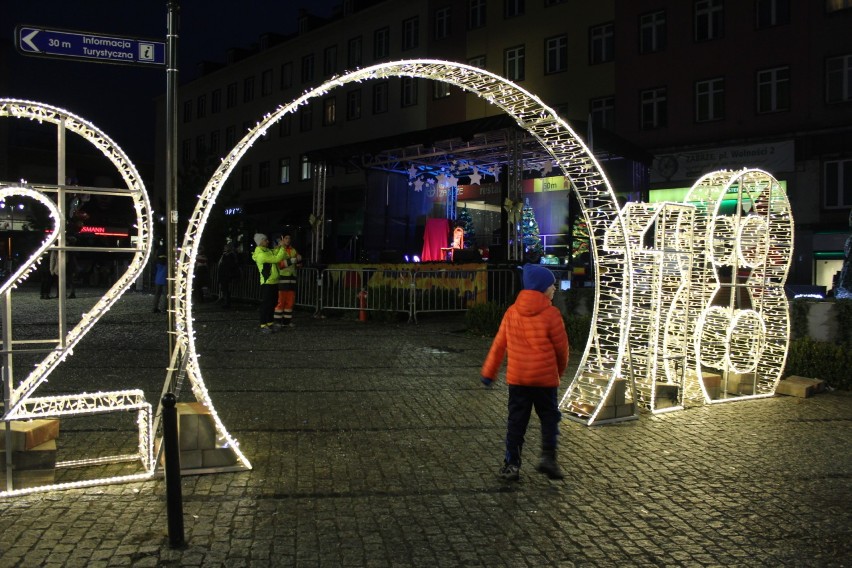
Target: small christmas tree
530, 233
580, 243
466, 222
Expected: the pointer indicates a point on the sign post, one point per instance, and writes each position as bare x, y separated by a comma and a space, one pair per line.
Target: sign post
87, 46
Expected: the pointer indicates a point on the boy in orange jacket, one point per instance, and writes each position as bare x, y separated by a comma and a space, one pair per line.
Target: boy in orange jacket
533, 333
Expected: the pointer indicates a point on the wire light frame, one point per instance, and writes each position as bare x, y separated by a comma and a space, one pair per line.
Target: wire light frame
20, 402
742, 249
605, 352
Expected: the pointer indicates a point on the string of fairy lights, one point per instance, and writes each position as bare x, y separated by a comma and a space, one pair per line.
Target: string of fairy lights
20, 403
653, 319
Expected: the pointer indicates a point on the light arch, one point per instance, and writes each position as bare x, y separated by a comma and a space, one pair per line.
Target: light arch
605, 351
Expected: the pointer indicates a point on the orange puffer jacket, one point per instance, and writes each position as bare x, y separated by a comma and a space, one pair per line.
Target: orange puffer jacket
533, 332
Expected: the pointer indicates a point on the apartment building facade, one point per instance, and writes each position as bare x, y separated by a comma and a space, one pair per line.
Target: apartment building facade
557, 50
712, 84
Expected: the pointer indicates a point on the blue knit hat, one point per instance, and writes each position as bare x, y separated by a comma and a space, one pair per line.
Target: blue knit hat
537, 278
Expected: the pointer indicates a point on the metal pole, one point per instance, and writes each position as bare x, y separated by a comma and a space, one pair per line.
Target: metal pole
171, 162
171, 446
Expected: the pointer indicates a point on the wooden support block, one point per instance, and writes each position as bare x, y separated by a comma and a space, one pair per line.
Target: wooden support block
218, 457
741, 383
27, 434
624, 410
196, 428
802, 387
42, 456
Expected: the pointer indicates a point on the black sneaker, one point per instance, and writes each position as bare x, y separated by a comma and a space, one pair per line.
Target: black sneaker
550, 468
510, 472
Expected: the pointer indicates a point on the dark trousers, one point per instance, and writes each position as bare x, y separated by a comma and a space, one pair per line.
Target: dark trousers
268, 299
521, 402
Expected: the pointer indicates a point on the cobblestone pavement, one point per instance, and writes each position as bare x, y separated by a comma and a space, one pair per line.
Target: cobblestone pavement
373, 444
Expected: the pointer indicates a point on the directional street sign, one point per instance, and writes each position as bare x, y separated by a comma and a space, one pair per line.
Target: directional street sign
87, 46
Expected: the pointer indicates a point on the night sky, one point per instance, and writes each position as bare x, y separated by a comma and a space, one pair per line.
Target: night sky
119, 99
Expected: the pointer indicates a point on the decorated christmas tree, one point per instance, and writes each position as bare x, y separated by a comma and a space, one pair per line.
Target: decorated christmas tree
580, 242
530, 233
466, 222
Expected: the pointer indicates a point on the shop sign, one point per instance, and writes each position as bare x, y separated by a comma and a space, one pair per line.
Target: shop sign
772, 157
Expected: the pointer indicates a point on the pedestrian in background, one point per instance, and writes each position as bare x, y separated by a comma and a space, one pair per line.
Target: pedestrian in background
201, 279
287, 282
267, 260
160, 276
533, 333
228, 270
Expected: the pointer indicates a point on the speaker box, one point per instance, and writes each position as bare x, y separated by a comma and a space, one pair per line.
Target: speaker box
462, 256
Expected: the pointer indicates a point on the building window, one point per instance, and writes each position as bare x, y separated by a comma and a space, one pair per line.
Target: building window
230, 136
245, 178
440, 90
478, 61
653, 109
836, 5
231, 96
353, 105
381, 43
286, 75
305, 168
770, 13
263, 174
216, 101
285, 127
773, 90
556, 54
329, 111
837, 180
187, 111
308, 68
201, 106
355, 52
512, 8
266, 82
329, 61
306, 117
601, 43
710, 100
442, 23
380, 97
475, 14
248, 89
652, 32
838, 79
603, 112
186, 152
513, 63
214, 142
409, 92
410, 33
709, 20
284, 170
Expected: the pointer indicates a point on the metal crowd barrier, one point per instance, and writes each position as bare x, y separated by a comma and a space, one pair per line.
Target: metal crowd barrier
371, 289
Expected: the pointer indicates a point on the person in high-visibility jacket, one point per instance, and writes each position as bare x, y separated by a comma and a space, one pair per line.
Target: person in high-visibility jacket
267, 260
287, 281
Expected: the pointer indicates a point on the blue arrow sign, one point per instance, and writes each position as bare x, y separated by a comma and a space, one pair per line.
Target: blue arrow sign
85, 46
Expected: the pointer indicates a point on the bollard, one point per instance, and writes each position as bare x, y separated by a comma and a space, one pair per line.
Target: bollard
362, 305
171, 446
